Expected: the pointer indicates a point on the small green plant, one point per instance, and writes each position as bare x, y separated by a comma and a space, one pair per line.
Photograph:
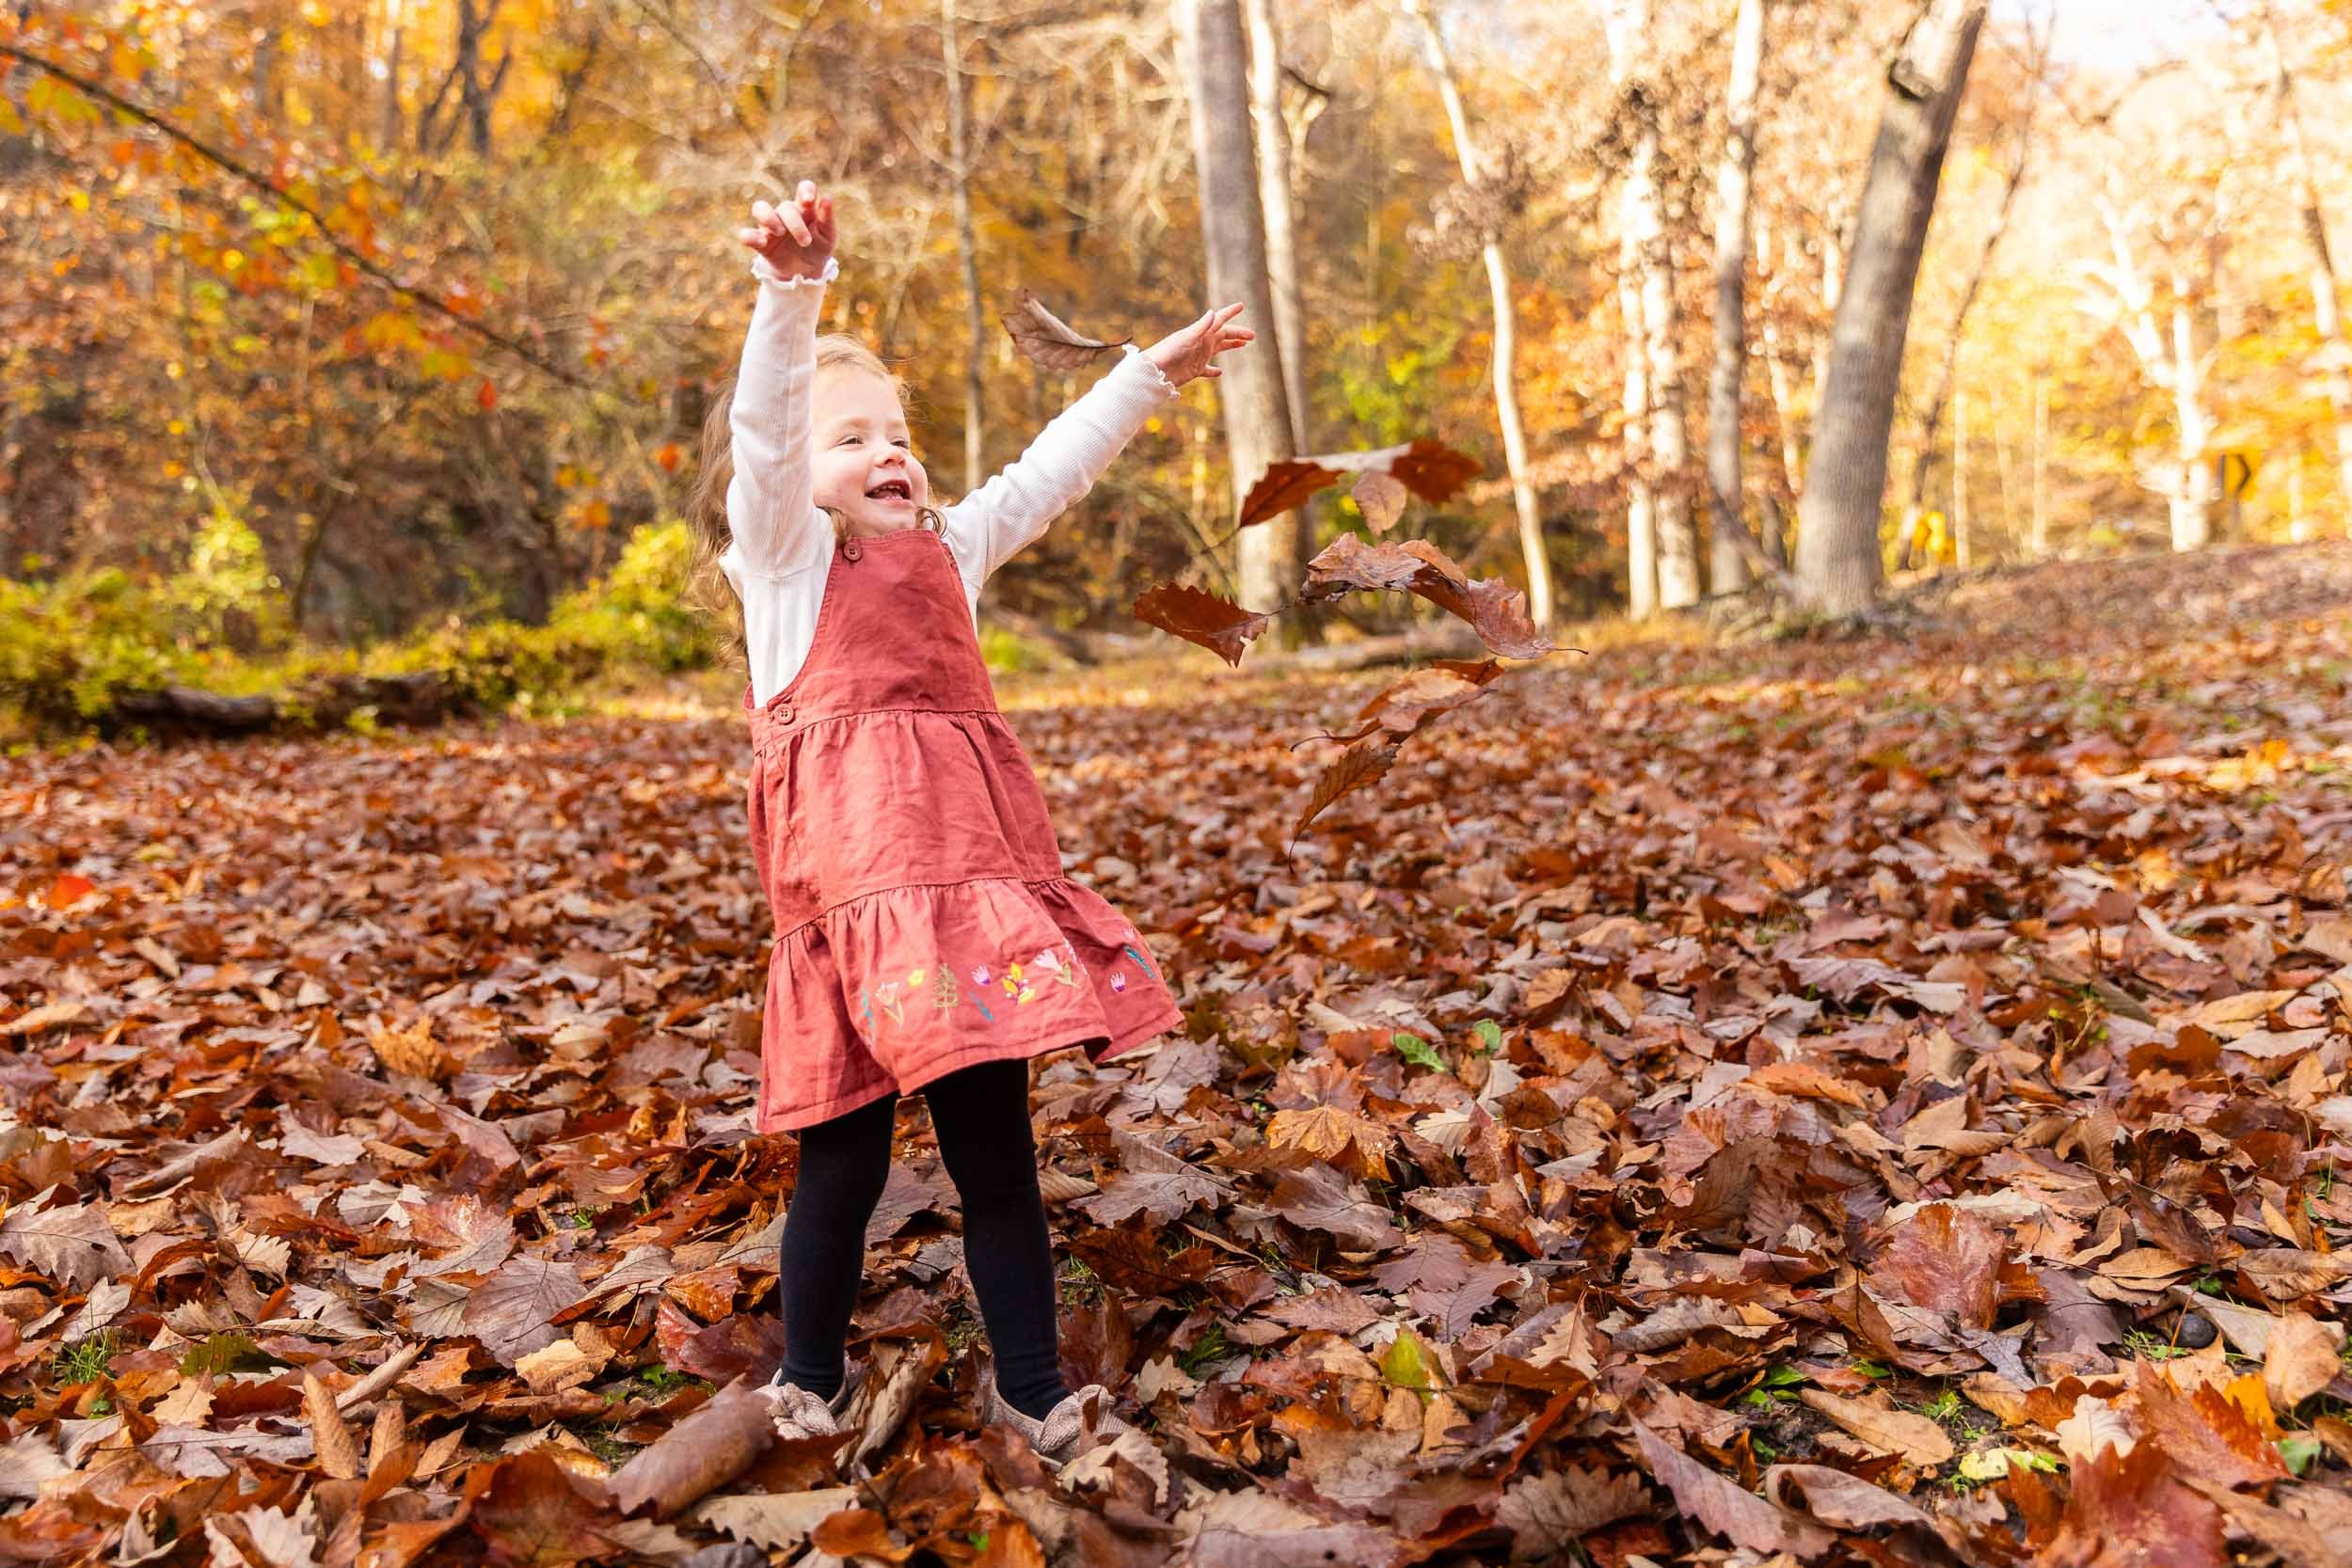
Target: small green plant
1772, 1389
84, 1360
1873, 1368
1946, 1406
1209, 1347
662, 1380
1417, 1051
2299, 1448
1080, 1284
606, 1447
2149, 1347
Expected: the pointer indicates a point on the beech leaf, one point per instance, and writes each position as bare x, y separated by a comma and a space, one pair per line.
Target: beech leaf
1198, 616
1429, 469
1050, 340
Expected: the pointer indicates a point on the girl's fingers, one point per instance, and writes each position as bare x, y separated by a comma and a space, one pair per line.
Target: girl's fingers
807, 193
798, 229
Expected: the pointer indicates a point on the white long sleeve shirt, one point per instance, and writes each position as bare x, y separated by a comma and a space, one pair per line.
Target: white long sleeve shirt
782, 543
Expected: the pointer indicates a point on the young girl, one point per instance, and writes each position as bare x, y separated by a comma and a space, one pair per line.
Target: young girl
925, 938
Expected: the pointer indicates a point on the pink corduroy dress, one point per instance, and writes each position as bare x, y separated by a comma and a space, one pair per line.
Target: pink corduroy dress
922, 919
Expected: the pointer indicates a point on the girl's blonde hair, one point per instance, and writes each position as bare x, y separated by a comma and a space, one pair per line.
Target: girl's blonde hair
706, 587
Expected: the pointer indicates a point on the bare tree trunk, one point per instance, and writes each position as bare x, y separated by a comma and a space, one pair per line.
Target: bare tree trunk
1642, 219
1277, 188
2334, 354
1838, 530
967, 251
1924, 462
1776, 385
1232, 231
399, 21
476, 95
1531, 549
1728, 564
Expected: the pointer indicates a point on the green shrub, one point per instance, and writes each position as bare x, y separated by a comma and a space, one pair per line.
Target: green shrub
69, 645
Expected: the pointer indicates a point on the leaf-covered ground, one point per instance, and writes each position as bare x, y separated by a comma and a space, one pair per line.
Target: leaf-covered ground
1866, 1100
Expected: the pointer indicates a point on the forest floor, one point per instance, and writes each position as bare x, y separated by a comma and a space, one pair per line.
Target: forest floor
1862, 1099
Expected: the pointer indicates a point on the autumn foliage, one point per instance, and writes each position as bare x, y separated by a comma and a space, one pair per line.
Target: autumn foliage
1868, 1100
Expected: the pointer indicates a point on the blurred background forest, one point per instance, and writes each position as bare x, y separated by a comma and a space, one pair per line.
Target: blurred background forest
377, 333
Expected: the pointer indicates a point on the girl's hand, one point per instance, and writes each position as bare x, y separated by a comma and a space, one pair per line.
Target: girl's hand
1190, 352
797, 238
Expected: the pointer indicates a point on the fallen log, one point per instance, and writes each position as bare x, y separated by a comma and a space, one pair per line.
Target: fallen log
427, 697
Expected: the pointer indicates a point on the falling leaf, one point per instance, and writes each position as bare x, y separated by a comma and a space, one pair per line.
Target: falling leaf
1218, 624
1380, 498
1361, 764
1429, 468
1048, 339
1496, 611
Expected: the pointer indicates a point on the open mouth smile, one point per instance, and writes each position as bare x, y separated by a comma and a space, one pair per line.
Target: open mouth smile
895, 489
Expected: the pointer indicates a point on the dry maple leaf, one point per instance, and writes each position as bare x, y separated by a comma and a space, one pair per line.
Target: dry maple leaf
1945, 1259
1429, 469
1050, 340
2132, 1510
411, 1050
1198, 616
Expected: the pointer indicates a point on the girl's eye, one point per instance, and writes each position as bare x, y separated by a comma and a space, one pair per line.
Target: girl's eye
904, 443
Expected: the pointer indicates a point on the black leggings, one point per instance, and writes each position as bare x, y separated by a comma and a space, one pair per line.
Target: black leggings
983, 1115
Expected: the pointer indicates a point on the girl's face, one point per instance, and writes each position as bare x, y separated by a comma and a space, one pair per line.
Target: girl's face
864, 466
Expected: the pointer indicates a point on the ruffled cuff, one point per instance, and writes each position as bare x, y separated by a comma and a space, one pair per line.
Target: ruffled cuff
1138, 366
767, 273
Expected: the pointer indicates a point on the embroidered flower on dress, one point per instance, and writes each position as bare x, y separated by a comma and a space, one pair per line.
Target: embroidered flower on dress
1119, 979
980, 975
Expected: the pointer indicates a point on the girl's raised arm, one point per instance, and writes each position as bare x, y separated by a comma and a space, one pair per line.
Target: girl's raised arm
771, 512
1003, 516
1012, 509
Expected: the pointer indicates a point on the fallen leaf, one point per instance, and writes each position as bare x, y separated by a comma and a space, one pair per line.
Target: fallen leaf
1921, 1443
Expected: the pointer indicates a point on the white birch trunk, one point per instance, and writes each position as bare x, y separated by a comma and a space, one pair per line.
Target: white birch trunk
1532, 547
1728, 563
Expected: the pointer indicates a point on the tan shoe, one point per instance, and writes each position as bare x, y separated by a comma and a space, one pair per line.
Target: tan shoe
801, 1412
1078, 1422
